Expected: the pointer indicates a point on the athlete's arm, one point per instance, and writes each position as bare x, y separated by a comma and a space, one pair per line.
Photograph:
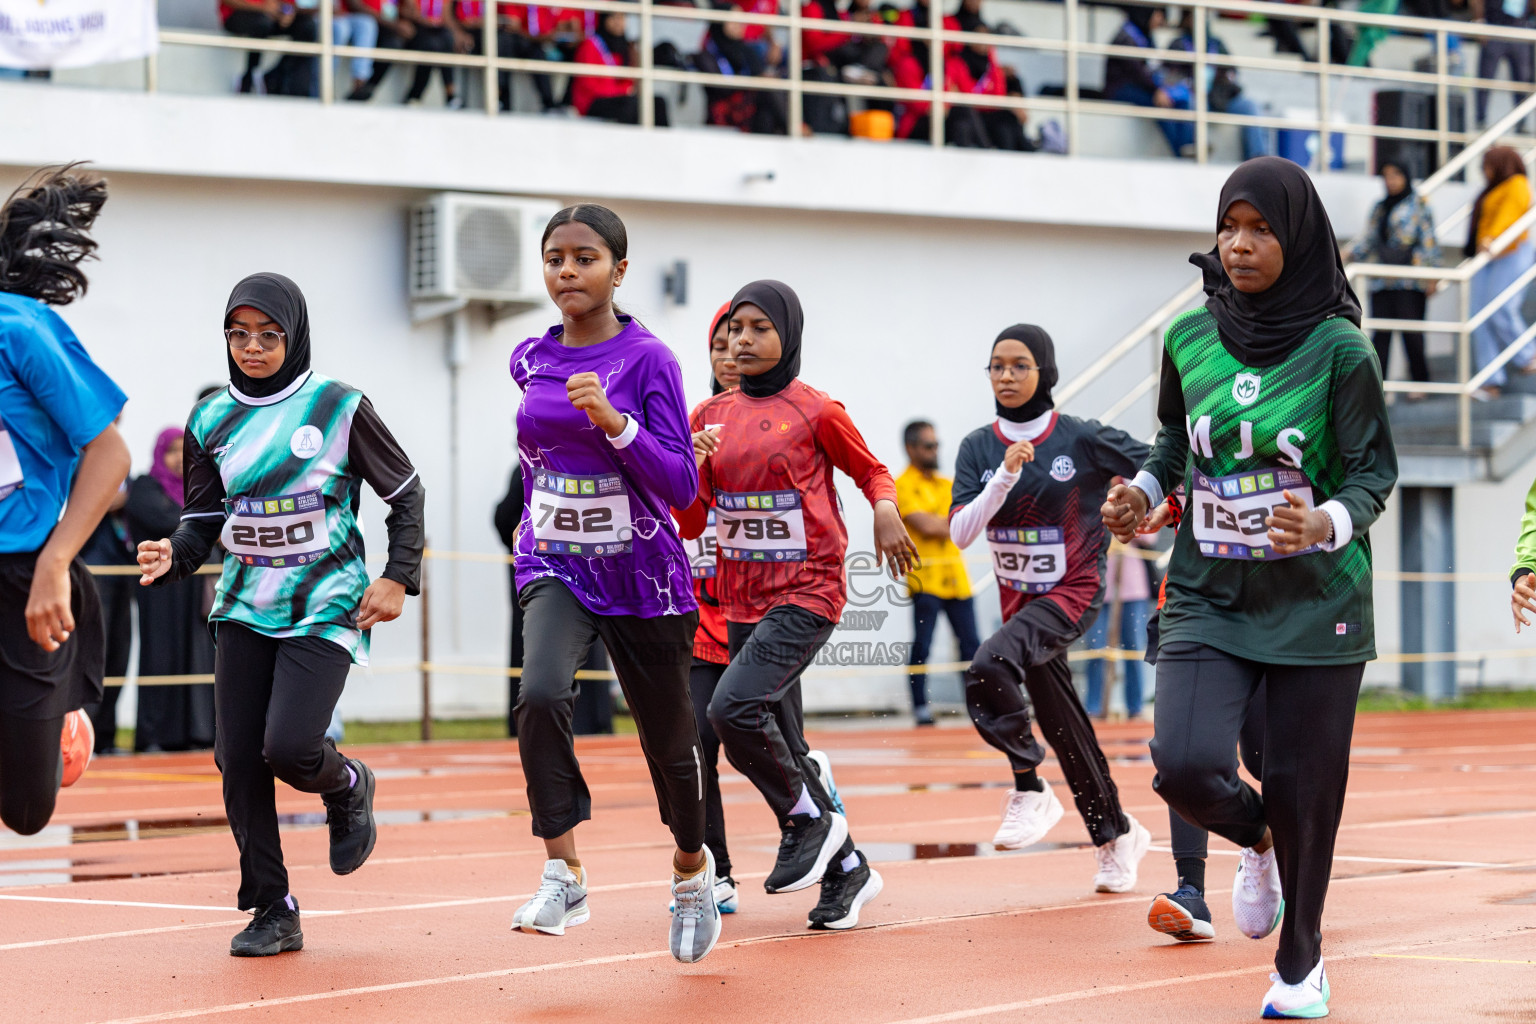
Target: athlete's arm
104, 463
691, 521
1118, 453
202, 519
1126, 505
845, 447
378, 458
659, 449
1364, 439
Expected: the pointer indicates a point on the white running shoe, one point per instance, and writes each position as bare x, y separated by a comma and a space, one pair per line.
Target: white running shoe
695, 916
823, 765
560, 902
1120, 857
1306, 1001
1027, 817
1256, 901
725, 896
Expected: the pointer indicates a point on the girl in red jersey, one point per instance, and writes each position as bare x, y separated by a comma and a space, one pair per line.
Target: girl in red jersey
767, 454
711, 652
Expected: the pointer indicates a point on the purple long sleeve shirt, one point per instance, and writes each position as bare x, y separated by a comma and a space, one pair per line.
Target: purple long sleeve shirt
597, 516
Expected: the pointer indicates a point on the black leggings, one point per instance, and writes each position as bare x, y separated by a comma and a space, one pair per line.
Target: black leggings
1031, 650
651, 657
1192, 841
1203, 695
703, 677
31, 768
1400, 304
626, 109
430, 40
274, 698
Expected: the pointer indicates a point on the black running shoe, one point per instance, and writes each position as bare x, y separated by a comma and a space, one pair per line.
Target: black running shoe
274, 930
805, 846
843, 893
1182, 914
350, 817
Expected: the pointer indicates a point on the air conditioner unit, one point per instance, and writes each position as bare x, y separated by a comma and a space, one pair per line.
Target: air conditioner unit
476, 248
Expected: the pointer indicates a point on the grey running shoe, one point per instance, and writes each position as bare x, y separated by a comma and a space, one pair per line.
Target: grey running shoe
560, 901
695, 914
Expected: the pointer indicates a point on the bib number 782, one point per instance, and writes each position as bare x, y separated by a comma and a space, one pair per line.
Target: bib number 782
570, 520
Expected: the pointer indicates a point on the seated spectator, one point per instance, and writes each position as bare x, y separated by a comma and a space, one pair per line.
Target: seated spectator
394, 33
853, 56
436, 32
292, 75
1222, 91
969, 69
727, 51
512, 40
611, 99
1007, 128
1131, 80
1287, 36
560, 31
356, 23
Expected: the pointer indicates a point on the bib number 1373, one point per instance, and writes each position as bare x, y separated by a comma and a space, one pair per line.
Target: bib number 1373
1030, 560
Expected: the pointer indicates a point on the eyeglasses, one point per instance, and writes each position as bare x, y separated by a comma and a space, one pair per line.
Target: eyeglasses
995, 370
926, 445
240, 338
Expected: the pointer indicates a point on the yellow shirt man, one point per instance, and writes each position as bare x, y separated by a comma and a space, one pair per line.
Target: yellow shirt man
942, 572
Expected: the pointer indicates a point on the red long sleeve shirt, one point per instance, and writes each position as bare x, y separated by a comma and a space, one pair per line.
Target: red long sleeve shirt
780, 532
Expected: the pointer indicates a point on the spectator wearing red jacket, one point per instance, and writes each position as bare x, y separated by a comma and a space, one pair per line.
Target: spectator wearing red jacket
611, 99
512, 40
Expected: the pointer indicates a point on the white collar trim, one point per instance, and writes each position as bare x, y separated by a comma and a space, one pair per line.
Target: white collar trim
245, 399
1026, 431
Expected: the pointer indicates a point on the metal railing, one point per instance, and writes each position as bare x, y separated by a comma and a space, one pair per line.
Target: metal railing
1070, 47
1467, 384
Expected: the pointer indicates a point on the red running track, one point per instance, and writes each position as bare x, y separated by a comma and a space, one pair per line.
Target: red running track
121, 910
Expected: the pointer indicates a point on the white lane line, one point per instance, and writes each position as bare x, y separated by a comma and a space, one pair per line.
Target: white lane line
1369, 860
132, 903
134, 933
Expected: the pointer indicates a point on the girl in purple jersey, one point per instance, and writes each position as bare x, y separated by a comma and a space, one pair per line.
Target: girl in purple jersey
605, 449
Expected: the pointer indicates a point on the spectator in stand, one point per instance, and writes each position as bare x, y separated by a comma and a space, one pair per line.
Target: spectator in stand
1222, 91
857, 58
436, 31
1400, 231
292, 75
109, 545
1493, 52
969, 69
561, 32
512, 40
394, 33
1007, 128
611, 99
173, 619
938, 584
356, 23
1504, 201
1287, 36
1128, 589
1133, 80
727, 51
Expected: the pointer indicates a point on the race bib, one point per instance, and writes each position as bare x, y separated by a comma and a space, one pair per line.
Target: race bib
704, 548
277, 533
766, 526
10, 465
1228, 512
580, 515
1032, 560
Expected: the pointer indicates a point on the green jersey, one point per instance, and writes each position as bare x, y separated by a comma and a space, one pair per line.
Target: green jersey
277, 481
1236, 437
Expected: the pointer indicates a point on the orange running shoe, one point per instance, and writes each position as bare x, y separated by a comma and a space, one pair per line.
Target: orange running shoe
77, 742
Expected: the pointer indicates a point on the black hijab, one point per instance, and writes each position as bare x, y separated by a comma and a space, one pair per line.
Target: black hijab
281, 300
1141, 17
782, 305
617, 42
1262, 328
976, 64
1390, 200
1043, 349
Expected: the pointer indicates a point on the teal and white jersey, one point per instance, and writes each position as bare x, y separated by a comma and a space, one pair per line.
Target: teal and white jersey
280, 479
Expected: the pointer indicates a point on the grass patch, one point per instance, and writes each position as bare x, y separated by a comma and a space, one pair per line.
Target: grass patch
1472, 700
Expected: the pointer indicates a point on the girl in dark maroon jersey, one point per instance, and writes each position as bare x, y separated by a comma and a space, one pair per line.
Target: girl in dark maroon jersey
1032, 481
767, 454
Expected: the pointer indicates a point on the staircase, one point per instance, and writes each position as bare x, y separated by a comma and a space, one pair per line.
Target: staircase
1445, 436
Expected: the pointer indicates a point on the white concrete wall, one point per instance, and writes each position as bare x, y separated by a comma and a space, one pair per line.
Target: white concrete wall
908, 262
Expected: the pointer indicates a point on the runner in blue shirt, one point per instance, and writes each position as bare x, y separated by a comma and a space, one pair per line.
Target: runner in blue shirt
56, 413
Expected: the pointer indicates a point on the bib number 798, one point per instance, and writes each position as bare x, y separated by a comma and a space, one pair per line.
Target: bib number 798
757, 529
570, 520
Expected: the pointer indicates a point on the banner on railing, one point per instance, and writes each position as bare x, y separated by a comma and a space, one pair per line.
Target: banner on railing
39, 34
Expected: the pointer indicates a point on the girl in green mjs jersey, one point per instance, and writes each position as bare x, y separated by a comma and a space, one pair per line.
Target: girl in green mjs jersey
1273, 418
274, 465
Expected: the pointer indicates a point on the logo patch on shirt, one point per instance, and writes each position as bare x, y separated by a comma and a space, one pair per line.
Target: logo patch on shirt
220, 450
305, 443
1345, 628
986, 476
1063, 468
1245, 388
